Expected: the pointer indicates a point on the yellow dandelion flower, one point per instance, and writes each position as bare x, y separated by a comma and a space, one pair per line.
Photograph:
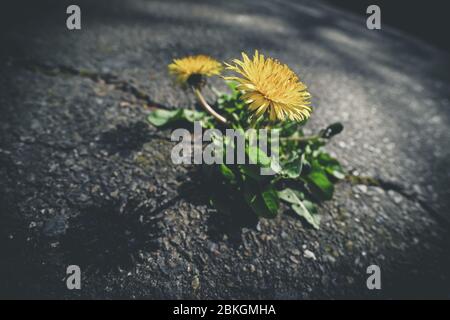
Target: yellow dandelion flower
185, 69
268, 85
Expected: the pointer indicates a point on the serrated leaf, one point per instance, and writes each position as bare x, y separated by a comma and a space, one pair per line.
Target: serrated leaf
193, 115
319, 182
305, 209
291, 196
331, 165
161, 117
303, 212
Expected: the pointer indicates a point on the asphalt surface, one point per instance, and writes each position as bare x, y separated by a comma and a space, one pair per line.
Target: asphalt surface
85, 180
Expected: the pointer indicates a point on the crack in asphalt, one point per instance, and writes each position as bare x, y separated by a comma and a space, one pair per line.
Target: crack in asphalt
411, 195
120, 84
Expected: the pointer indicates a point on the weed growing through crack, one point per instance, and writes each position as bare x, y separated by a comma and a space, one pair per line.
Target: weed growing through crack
265, 95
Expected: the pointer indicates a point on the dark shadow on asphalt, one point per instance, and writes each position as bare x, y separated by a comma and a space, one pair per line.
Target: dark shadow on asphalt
227, 220
125, 139
23, 267
110, 235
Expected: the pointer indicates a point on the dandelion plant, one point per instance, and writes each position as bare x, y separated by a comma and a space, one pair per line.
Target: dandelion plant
266, 96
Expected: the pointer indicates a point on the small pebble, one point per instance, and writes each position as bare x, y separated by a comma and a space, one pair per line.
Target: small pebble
309, 254
195, 283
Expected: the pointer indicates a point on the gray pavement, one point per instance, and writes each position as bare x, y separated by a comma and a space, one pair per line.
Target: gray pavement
84, 180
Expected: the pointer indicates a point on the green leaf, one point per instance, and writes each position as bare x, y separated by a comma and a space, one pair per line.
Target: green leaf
275, 166
227, 173
289, 129
263, 201
319, 182
252, 171
312, 208
327, 160
257, 156
331, 166
293, 168
161, 117
304, 209
291, 196
232, 85
306, 167
337, 174
303, 212
271, 200
193, 115
331, 130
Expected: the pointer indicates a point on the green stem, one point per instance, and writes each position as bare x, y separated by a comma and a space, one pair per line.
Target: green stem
300, 139
207, 107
